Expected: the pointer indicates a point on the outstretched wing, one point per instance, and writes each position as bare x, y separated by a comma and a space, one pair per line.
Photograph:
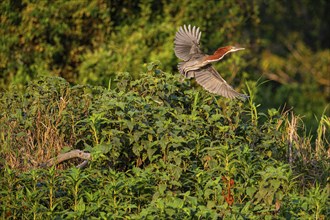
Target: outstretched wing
211, 80
186, 42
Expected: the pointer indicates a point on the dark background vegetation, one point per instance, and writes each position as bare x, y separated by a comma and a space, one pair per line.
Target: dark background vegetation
101, 76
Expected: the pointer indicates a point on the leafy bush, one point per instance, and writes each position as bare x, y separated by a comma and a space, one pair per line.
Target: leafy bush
161, 149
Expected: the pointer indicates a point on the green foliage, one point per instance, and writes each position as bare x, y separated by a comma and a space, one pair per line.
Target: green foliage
161, 148
47, 38
305, 76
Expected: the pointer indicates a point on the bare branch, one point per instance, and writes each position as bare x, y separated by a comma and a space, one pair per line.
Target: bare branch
67, 156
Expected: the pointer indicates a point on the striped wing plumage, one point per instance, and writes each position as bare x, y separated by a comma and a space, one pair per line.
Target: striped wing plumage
211, 81
187, 42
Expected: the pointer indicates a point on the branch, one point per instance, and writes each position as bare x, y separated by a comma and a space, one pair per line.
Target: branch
83, 164
275, 77
66, 156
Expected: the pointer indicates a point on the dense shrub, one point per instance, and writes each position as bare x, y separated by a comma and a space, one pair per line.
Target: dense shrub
161, 149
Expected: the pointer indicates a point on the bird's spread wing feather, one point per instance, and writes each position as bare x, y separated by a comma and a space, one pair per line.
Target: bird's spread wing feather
187, 42
211, 80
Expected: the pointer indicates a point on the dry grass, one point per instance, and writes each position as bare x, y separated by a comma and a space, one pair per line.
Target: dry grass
26, 149
305, 154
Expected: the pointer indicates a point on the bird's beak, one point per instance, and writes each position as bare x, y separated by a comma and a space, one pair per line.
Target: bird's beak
237, 48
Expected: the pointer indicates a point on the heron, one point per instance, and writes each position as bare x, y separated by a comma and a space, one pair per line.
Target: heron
198, 65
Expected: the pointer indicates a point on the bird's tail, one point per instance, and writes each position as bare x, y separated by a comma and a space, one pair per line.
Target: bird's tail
180, 68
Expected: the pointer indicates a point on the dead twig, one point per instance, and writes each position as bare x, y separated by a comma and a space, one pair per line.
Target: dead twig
83, 164
67, 156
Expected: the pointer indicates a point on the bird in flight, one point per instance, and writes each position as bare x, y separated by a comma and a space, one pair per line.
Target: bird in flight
198, 65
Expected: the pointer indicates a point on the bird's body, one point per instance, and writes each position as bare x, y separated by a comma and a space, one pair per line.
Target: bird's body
198, 65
